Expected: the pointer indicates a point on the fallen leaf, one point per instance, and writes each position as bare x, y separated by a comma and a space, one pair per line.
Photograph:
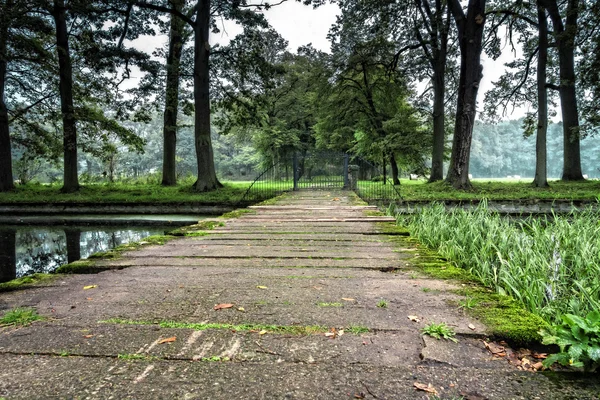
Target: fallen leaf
262, 287
347, 299
330, 334
495, 349
89, 298
242, 309
168, 340
414, 318
336, 199
359, 395
471, 327
263, 332
90, 287
539, 356
538, 366
88, 336
221, 306
425, 388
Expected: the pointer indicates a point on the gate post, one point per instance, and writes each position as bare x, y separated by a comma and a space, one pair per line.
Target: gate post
346, 178
295, 169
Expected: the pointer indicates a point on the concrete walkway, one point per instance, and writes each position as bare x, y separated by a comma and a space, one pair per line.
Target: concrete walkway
300, 286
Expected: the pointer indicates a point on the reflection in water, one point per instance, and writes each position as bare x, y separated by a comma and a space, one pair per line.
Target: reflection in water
24, 250
7, 254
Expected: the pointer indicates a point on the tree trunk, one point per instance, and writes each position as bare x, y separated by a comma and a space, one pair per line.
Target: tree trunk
8, 254
6, 173
565, 41
207, 178
440, 55
541, 172
73, 244
439, 128
394, 165
70, 179
169, 177
470, 31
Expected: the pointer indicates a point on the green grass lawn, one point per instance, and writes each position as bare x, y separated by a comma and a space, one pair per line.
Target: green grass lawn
232, 193
126, 193
500, 189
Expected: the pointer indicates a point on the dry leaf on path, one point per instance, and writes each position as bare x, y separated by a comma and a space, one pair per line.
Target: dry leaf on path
495, 349
263, 332
168, 340
222, 306
242, 309
88, 336
425, 388
90, 287
414, 318
347, 299
262, 287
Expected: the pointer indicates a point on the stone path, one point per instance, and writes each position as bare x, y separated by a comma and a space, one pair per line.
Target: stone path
304, 278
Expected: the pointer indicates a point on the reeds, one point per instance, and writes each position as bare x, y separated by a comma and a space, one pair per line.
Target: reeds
550, 264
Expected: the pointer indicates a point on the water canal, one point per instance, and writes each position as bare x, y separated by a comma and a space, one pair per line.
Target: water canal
30, 244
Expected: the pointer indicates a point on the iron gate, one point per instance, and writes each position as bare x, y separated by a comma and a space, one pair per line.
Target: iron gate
325, 170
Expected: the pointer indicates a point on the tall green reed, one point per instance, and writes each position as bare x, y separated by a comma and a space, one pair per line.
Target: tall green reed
550, 264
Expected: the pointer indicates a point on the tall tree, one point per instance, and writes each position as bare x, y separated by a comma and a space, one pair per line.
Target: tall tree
564, 35
6, 173
470, 36
435, 21
176, 41
70, 172
541, 152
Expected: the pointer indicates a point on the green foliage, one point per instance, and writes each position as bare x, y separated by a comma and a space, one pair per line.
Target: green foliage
382, 303
20, 317
549, 265
578, 339
440, 331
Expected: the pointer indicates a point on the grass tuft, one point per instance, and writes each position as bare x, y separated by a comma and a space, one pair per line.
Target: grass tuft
20, 316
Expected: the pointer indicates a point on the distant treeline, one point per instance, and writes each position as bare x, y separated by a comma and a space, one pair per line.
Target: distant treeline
501, 150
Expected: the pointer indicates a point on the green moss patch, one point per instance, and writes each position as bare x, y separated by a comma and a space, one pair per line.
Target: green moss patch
26, 281
196, 229
80, 267
504, 316
238, 213
392, 229
280, 329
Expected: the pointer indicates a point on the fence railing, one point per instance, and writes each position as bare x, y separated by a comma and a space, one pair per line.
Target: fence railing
327, 171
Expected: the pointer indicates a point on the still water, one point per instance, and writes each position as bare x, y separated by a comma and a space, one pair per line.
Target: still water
27, 250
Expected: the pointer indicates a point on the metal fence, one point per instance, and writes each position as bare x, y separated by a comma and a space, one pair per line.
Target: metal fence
323, 171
